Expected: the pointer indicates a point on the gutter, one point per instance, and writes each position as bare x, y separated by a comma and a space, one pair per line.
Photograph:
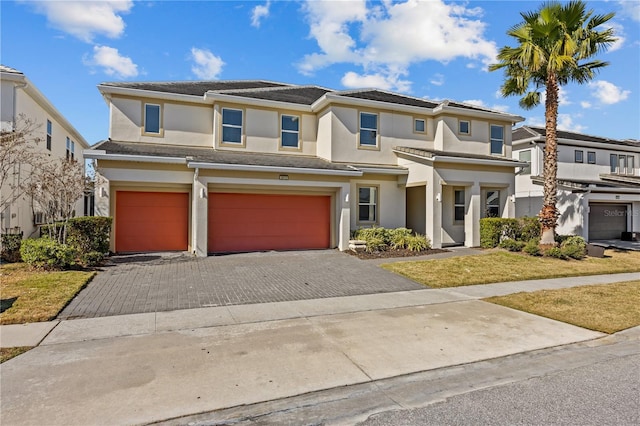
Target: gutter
102, 155
275, 169
463, 160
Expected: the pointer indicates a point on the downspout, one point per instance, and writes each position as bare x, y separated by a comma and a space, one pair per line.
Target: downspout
15, 98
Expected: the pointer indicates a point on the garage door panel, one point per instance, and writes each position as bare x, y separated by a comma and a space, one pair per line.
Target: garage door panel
151, 221
607, 221
252, 222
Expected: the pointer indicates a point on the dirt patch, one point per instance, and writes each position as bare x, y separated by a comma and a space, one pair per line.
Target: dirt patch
363, 254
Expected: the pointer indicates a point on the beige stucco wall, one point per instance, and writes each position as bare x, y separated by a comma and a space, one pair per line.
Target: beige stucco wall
391, 201
448, 138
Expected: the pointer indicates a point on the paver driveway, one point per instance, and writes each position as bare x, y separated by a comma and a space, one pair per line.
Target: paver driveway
165, 282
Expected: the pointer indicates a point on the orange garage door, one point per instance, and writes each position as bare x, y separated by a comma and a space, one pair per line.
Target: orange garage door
151, 221
253, 222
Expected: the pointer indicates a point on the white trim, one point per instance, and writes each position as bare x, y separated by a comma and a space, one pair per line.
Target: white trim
275, 169
102, 155
463, 160
382, 171
107, 91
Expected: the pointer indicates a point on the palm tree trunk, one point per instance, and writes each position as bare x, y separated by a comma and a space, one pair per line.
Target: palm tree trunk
549, 214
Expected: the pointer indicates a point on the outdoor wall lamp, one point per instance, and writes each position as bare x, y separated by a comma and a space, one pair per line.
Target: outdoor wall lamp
438, 197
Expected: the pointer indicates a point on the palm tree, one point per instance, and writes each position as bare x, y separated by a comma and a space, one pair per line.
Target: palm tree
554, 46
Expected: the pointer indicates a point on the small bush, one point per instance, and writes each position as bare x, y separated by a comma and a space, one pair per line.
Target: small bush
11, 247
89, 234
375, 243
530, 228
400, 237
555, 252
511, 245
533, 247
376, 232
490, 231
46, 253
418, 242
574, 247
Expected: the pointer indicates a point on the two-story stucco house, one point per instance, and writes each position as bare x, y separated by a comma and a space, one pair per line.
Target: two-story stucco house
598, 182
227, 166
19, 96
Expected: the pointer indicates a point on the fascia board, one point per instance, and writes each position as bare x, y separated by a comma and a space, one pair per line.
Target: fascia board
275, 169
383, 171
102, 155
487, 115
107, 91
221, 97
329, 98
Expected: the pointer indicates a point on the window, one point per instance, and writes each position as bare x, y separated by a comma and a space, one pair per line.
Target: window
367, 204
630, 165
49, 133
231, 126
578, 156
497, 139
525, 156
419, 125
464, 127
38, 218
152, 118
492, 204
458, 205
613, 163
71, 148
290, 131
591, 157
622, 164
368, 129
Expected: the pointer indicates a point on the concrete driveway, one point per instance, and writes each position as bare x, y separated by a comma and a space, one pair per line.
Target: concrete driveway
142, 283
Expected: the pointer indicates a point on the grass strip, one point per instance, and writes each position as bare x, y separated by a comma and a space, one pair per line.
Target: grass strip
503, 266
607, 308
7, 353
32, 295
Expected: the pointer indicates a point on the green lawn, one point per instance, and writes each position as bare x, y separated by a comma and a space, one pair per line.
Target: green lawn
31, 295
501, 266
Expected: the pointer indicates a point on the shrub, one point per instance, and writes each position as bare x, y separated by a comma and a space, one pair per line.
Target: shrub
574, 247
418, 242
375, 232
511, 245
375, 243
399, 237
555, 252
47, 253
532, 247
490, 231
88, 236
11, 247
530, 228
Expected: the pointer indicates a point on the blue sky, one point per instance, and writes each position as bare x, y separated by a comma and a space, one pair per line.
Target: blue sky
431, 49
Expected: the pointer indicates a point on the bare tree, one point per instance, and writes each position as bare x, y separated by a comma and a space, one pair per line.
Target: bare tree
18, 156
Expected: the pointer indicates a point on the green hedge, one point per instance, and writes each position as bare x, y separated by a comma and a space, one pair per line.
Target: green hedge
492, 229
10, 247
46, 253
88, 236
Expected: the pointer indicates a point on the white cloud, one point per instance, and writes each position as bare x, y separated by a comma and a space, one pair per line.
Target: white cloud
565, 122
385, 38
608, 93
585, 104
207, 66
535, 122
379, 80
112, 62
437, 80
631, 8
620, 35
86, 19
563, 97
258, 13
480, 103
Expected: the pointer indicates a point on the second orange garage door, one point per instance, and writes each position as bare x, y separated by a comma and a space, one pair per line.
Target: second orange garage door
254, 222
152, 221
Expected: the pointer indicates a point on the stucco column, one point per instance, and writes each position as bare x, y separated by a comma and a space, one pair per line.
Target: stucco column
199, 204
472, 216
434, 210
343, 216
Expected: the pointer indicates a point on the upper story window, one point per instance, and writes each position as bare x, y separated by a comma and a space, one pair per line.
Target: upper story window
622, 164
464, 127
152, 118
578, 156
71, 149
49, 134
368, 204
232, 126
591, 157
525, 156
458, 205
497, 139
368, 129
290, 131
419, 125
492, 204
613, 163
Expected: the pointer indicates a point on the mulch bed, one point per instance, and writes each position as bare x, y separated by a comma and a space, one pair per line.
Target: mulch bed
363, 254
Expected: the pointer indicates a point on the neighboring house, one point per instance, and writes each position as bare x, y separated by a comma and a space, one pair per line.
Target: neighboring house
598, 182
58, 139
227, 166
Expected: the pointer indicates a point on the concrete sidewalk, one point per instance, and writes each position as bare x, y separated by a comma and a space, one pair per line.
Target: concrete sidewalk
149, 367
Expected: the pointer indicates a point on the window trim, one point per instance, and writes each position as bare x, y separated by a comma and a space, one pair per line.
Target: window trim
491, 125
240, 144
420, 132
486, 204
70, 152
524, 169
375, 147
49, 134
376, 220
160, 132
589, 156
299, 133
578, 156
456, 205
460, 132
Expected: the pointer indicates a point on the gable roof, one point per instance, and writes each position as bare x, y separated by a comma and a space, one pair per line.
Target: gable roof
195, 88
305, 95
528, 132
4, 68
388, 97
